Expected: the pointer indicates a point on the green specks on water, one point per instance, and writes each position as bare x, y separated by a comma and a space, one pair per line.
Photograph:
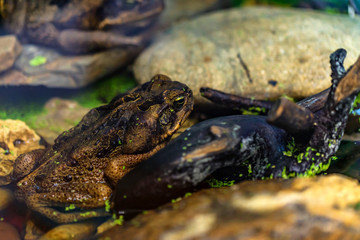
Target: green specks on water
184, 148
37, 61
88, 214
287, 97
118, 220
185, 138
176, 200
107, 205
249, 170
188, 194
291, 148
70, 207
283, 174
300, 157
286, 175
214, 183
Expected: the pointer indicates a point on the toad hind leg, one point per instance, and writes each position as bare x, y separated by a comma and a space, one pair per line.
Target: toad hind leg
68, 217
73, 206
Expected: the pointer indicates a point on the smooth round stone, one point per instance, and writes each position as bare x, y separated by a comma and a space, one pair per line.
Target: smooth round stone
256, 52
70, 231
8, 232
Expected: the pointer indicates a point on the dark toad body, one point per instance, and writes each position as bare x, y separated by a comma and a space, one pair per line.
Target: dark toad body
80, 170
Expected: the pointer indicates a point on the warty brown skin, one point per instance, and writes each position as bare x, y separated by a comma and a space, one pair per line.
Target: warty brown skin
85, 162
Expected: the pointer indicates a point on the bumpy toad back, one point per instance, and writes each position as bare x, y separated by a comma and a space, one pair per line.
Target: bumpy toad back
85, 162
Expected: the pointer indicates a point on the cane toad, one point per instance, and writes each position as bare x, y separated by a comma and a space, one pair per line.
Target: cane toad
80, 170
80, 25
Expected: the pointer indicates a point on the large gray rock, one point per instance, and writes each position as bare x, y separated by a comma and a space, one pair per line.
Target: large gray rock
10, 49
38, 65
289, 46
323, 207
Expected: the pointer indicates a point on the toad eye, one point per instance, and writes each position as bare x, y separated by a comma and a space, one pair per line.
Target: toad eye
178, 103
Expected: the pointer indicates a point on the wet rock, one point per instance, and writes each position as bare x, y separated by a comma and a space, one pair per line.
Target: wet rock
324, 207
60, 116
255, 52
38, 65
70, 231
8, 232
15, 138
6, 198
10, 49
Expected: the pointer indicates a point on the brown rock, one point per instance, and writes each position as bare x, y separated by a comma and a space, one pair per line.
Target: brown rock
15, 138
282, 46
60, 116
8, 232
70, 231
14, 78
10, 49
6, 197
38, 65
324, 207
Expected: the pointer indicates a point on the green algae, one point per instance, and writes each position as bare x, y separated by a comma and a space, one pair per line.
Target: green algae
215, 183
37, 61
26, 103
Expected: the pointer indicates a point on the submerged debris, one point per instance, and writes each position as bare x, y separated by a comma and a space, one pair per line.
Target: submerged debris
294, 140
